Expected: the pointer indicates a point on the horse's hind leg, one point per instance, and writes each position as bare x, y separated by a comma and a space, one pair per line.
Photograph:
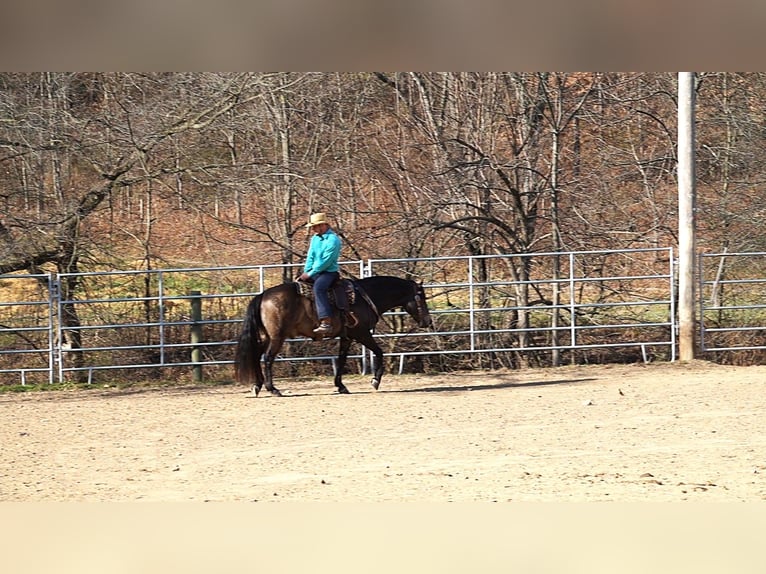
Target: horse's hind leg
268, 362
257, 374
259, 379
345, 344
257, 387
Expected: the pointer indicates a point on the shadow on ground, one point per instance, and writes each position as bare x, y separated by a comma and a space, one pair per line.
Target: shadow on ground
492, 386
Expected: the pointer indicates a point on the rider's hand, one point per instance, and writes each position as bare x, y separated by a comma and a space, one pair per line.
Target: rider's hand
304, 277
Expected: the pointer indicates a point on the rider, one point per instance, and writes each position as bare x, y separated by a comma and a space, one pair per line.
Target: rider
322, 268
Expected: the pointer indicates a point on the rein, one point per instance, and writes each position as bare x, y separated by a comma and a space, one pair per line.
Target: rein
367, 300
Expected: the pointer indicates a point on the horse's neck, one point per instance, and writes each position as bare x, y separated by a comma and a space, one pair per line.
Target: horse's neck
386, 298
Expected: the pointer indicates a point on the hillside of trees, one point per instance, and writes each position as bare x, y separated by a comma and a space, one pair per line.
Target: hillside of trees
166, 170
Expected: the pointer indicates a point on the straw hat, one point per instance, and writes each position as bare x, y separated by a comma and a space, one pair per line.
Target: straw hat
316, 219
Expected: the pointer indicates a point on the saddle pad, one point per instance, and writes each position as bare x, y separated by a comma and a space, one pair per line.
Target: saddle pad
344, 286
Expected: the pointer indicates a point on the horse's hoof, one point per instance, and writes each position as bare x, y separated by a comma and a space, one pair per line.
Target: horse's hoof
375, 384
343, 390
275, 393
255, 390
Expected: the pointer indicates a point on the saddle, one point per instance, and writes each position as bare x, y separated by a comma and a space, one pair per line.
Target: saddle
342, 297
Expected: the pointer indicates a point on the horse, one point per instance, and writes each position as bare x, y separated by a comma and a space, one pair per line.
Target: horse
282, 312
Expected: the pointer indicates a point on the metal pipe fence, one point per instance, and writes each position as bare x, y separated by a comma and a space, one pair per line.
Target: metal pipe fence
27, 345
606, 299
732, 301
494, 310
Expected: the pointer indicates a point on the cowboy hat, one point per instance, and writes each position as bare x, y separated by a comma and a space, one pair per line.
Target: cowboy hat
316, 219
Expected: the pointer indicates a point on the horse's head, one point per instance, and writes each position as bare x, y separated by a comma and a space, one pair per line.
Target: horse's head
418, 308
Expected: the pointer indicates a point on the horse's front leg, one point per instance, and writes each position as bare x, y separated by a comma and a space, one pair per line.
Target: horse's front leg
377, 376
367, 340
345, 345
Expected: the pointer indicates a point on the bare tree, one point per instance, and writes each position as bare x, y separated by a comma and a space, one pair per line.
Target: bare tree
476, 159
731, 151
564, 96
625, 195
70, 142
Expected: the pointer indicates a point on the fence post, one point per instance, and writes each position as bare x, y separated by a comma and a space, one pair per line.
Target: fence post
686, 215
196, 334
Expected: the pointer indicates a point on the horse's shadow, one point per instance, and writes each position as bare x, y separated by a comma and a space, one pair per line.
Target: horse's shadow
489, 386
452, 388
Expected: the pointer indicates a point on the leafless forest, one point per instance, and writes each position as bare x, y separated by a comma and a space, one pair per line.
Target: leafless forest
133, 171
136, 171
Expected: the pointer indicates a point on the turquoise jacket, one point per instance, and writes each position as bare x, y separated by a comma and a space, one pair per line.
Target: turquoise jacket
324, 251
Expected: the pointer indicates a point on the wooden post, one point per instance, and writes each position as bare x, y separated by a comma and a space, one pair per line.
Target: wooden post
196, 334
686, 209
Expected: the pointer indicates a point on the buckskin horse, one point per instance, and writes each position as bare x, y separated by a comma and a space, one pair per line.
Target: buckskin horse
284, 312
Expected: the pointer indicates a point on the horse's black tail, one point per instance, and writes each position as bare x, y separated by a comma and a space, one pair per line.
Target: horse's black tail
247, 357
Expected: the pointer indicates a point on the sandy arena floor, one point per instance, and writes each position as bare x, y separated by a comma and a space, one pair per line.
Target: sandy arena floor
662, 432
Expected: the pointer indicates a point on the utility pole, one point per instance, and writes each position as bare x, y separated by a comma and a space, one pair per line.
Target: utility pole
686, 213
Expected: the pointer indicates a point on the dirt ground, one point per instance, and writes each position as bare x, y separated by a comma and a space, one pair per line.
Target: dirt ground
661, 432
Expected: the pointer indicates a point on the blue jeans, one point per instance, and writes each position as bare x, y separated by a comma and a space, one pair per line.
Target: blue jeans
322, 284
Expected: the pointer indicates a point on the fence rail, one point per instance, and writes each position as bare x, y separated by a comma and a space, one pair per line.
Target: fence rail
544, 307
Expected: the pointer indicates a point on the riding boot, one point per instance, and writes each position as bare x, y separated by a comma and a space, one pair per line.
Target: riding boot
325, 327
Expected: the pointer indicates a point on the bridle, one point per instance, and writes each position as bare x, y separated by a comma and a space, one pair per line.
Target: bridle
420, 301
